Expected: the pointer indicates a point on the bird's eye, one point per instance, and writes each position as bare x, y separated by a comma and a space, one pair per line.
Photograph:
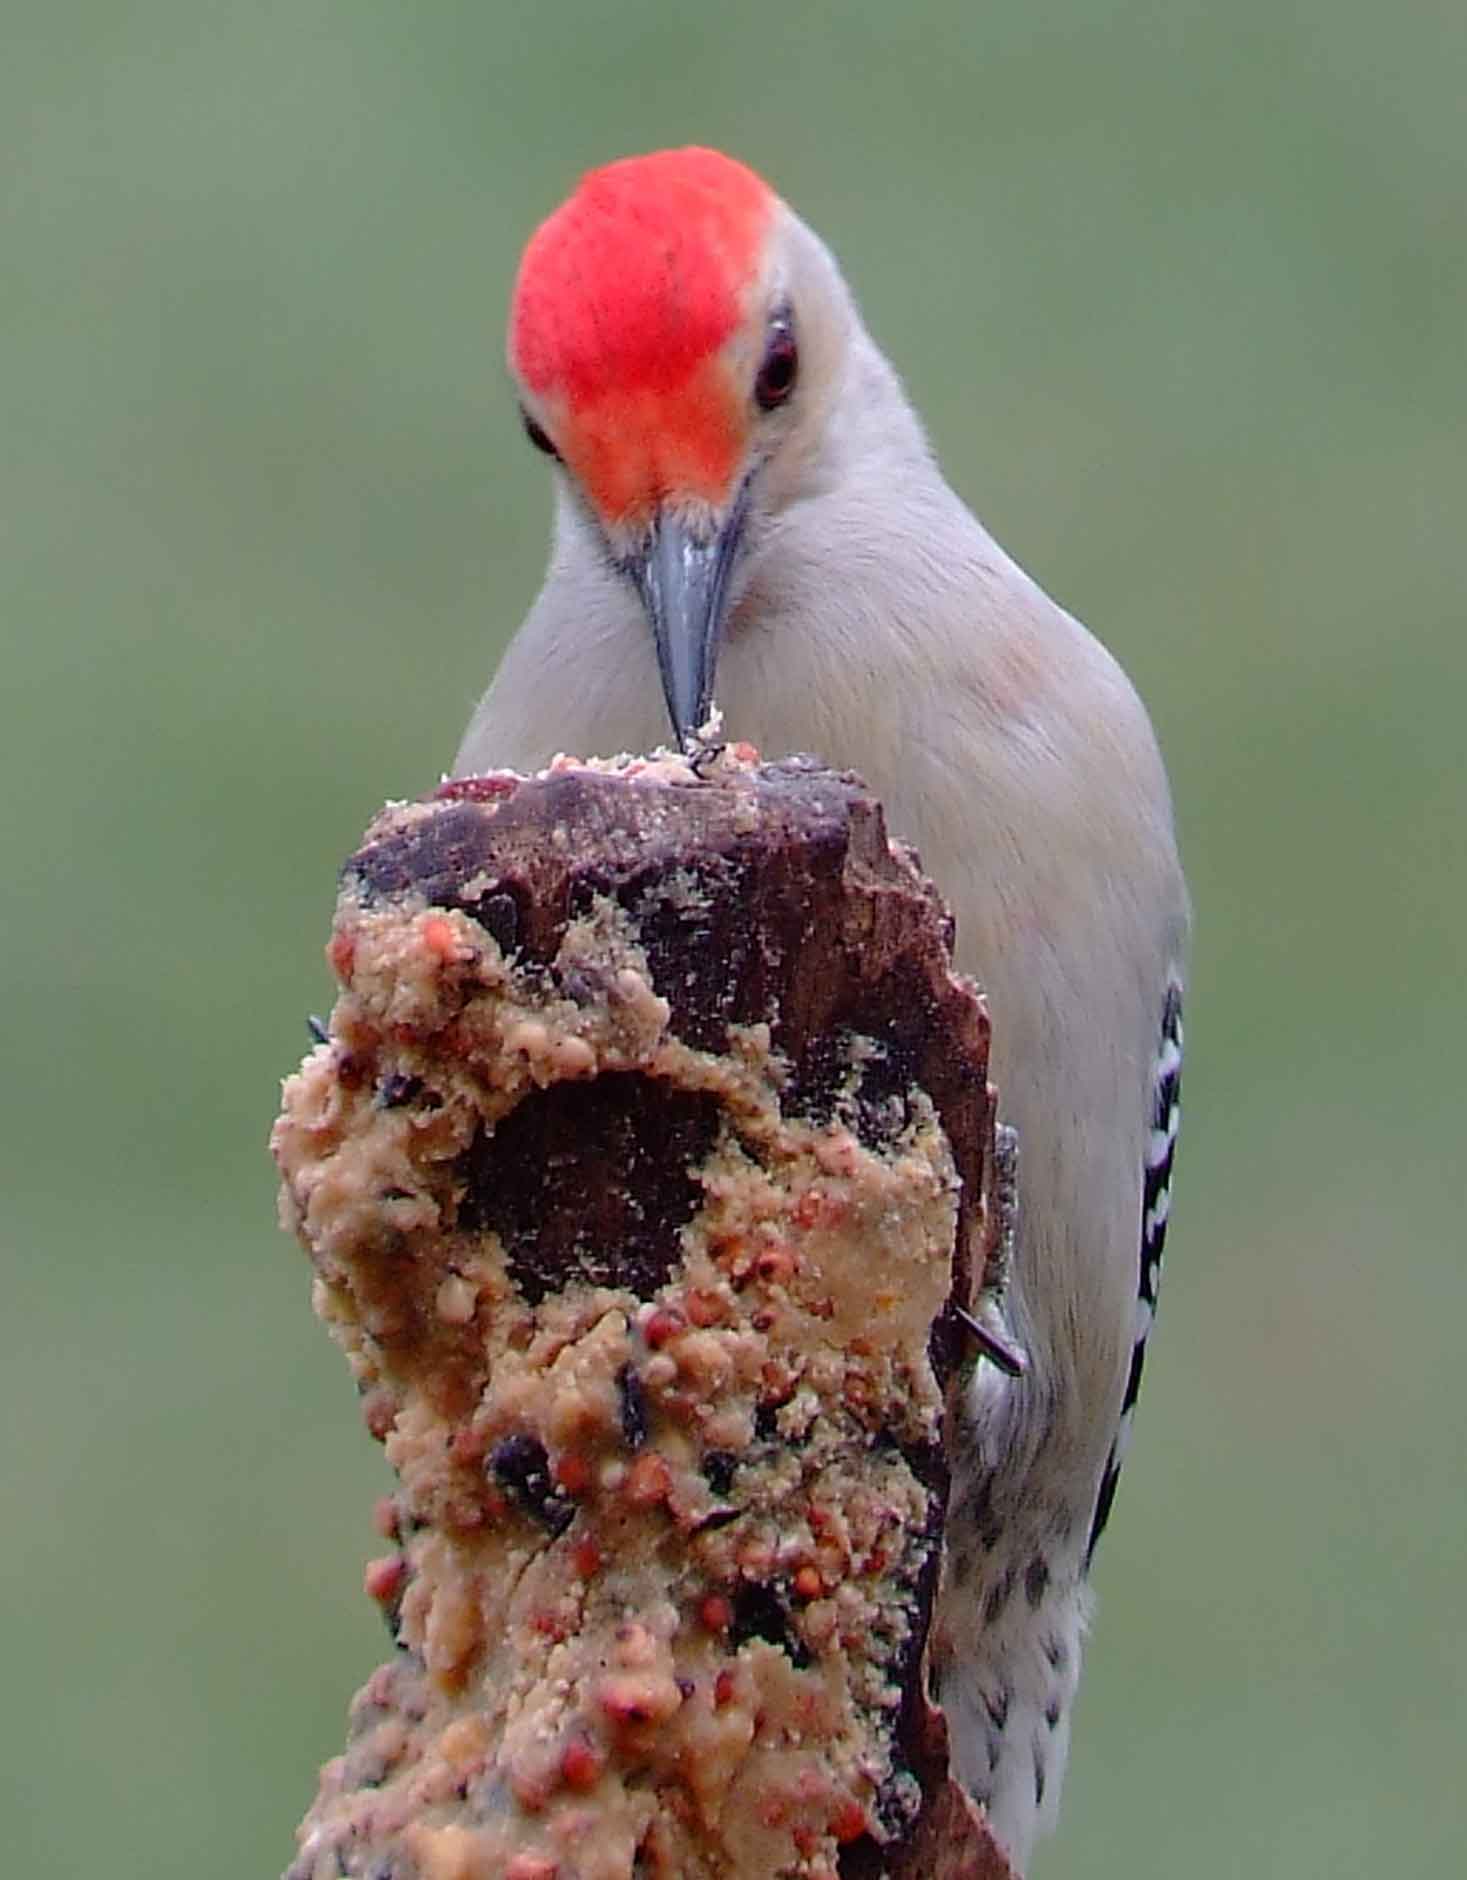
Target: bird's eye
538, 436
778, 369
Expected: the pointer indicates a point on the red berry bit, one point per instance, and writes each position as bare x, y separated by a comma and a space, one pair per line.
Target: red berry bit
649, 1481
384, 1578
439, 937
661, 1325
704, 1308
586, 1558
848, 1823
492, 787
573, 1473
808, 1583
715, 1612
582, 1762
341, 954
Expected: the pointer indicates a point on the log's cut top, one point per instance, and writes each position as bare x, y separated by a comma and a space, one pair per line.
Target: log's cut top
759, 892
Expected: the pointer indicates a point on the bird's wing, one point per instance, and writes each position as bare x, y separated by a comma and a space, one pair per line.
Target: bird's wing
1156, 1193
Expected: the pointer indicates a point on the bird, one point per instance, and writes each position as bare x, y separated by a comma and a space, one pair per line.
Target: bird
746, 500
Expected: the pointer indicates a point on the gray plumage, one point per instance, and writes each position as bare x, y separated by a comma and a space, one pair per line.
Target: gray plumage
874, 622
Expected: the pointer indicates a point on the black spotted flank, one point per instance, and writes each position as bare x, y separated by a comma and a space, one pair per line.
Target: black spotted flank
1156, 1190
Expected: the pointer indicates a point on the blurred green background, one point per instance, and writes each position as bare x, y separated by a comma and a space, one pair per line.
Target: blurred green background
1182, 289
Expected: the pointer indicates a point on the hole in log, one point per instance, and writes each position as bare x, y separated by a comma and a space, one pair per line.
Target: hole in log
759, 1612
591, 1181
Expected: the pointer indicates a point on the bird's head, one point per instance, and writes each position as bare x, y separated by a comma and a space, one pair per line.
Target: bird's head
675, 334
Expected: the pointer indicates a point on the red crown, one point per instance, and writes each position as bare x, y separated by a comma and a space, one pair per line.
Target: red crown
637, 280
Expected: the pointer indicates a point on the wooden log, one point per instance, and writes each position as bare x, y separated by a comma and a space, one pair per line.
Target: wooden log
645, 1170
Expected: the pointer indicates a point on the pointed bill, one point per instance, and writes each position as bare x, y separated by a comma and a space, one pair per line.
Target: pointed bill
682, 575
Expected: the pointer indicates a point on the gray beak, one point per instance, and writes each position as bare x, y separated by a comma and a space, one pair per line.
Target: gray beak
682, 576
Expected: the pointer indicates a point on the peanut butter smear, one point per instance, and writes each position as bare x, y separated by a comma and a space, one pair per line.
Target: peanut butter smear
649, 1355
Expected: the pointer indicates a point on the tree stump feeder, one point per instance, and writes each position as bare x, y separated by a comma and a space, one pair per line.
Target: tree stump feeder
646, 1170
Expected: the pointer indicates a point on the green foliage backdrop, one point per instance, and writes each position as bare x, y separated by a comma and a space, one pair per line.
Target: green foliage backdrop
1183, 291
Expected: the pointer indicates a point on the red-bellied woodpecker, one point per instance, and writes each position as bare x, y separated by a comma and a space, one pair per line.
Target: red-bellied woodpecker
744, 491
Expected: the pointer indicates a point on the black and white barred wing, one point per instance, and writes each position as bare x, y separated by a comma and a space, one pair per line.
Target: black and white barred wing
1156, 1192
